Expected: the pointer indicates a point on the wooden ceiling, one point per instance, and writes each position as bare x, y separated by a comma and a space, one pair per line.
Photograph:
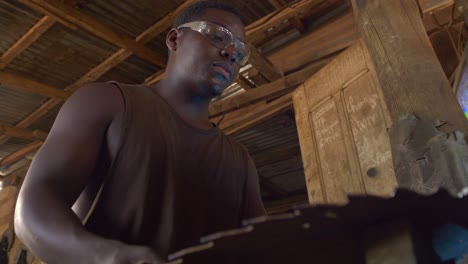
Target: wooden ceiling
50, 48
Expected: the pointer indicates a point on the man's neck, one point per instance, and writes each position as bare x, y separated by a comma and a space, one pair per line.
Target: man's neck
192, 108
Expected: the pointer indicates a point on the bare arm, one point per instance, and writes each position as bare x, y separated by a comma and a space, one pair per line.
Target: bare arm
60, 171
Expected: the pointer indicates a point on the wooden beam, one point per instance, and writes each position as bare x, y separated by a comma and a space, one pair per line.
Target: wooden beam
262, 25
23, 133
32, 86
67, 12
159, 75
428, 6
462, 6
244, 83
270, 186
265, 91
336, 35
102, 68
263, 64
29, 38
412, 80
26, 40
258, 113
276, 4
17, 155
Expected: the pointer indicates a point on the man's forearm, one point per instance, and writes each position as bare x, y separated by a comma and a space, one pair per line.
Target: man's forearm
53, 233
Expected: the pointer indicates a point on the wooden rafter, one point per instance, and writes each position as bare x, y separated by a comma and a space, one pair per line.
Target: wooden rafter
32, 86
17, 155
265, 91
270, 186
29, 38
262, 25
427, 6
263, 64
240, 120
244, 83
88, 23
26, 40
23, 133
294, 21
102, 68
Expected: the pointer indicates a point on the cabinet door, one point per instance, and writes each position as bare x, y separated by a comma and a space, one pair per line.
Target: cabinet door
342, 125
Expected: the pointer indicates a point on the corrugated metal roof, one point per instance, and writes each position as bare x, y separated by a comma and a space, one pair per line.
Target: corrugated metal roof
12, 145
15, 20
61, 56
46, 122
128, 17
16, 104
133, 70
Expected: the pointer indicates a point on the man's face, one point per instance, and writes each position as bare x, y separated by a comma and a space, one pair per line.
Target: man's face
202, 65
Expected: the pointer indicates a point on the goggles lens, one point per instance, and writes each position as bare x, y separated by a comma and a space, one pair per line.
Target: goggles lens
221, 38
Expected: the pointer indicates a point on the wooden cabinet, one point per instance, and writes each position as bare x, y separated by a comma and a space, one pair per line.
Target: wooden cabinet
342, 125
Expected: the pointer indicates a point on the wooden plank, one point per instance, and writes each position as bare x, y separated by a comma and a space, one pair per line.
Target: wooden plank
15, 156
330, 144
100, 69
26, 40
271, 20
369, 133
68, 13
244, 83
272, 187
428, 6
276, 4
263, 92
32, 86
23, 133
411, 77
263, 64
310, 162
462, 6
257, 115
337, 35
336, 74
156, 77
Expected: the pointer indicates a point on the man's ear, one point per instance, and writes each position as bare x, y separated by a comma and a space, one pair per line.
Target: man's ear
172, 39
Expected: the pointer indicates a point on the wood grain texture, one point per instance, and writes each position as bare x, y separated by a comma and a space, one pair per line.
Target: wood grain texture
411, 77
308, 149
428, 6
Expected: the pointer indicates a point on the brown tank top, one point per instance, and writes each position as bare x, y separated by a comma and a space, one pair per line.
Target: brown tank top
170, 183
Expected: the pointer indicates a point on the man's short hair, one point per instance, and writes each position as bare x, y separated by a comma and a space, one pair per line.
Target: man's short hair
198, 9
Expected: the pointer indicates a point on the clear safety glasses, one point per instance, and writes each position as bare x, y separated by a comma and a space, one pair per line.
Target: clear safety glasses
221, 38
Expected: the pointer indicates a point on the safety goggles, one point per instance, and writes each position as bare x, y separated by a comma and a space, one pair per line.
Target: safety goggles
221, 38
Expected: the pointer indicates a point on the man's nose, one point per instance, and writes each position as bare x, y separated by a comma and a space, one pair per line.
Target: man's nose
229, 53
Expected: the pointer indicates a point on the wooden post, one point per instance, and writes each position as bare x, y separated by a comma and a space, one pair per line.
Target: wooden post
411, 77
426, 154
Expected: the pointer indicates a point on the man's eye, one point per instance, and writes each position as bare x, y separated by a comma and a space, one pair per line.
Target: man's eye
215, 38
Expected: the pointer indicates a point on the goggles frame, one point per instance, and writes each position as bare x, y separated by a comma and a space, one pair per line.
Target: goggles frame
214, 36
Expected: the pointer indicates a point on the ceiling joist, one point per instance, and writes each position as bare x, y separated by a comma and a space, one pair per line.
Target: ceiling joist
68, 13
32, 86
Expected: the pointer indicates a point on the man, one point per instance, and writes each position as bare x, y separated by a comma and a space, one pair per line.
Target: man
149, 170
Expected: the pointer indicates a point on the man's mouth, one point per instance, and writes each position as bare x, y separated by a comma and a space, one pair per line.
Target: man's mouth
223, 70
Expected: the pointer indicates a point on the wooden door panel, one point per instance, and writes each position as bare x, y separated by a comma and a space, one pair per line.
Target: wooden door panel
368, 127
342, 127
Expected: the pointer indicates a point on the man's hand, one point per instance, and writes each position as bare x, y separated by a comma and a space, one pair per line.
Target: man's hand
125, 254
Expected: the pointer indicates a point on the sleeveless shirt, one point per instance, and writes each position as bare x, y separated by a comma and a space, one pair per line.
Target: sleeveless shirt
170, 182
